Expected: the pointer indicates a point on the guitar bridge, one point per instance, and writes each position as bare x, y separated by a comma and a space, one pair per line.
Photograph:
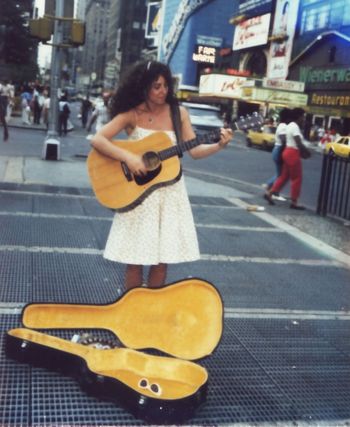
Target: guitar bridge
126, 171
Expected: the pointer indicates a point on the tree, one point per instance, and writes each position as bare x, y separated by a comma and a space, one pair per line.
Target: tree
16, 46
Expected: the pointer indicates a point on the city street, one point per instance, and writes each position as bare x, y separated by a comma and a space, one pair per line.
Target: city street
283, 359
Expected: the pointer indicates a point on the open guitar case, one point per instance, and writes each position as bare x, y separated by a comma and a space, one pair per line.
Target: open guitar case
182, 321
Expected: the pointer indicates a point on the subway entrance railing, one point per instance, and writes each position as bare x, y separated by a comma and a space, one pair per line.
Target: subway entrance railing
334, 191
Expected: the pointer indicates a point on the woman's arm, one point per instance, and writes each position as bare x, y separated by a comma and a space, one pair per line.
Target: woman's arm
101, 141
202, 150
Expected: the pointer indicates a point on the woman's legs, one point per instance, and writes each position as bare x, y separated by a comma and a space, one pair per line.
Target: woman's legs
277, 158
133, 276
281, 180
295, 179
157, 275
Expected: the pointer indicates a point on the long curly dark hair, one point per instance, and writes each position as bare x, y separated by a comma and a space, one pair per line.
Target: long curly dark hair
136, 84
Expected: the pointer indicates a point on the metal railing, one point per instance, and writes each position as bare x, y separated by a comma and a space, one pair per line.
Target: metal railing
334, 191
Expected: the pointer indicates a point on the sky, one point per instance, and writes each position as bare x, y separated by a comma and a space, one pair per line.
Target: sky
44, 52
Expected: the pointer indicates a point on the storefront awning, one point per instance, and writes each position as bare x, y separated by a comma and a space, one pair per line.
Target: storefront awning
248, 90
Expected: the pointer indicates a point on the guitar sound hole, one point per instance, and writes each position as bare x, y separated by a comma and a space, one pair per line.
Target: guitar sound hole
151, 160
141, 180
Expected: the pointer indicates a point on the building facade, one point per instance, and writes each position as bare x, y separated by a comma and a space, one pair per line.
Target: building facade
193, 34
95, 48
321, 60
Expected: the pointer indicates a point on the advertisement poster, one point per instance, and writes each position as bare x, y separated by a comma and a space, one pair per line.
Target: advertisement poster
252, 32
284, 24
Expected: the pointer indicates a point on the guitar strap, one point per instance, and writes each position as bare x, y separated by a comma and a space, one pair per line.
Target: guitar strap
176, 118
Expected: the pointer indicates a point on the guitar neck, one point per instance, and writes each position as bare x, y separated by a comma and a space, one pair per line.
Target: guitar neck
211, 137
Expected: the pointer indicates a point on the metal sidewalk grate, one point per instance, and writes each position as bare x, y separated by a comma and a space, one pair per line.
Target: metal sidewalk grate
255, 376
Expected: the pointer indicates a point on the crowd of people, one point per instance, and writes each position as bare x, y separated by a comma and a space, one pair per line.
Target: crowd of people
31, 101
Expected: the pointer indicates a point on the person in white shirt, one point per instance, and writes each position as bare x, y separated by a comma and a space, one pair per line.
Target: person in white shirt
100, 114
292, 166
63, 115
280, 143
10, 93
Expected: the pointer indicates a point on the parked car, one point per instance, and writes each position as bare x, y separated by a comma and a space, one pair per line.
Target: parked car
339, 147
204, 117
263, 138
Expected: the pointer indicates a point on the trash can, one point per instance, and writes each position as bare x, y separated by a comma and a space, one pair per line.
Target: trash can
51, 149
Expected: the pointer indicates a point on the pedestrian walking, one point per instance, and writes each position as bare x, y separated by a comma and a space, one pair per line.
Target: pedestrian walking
85, 109
3, 110
63, 115
46, 109
100, 114
279, 146
38, 103
160, 230
10, 93
292, 165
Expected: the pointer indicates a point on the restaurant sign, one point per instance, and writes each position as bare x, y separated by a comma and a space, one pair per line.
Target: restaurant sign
330, 99
322, 77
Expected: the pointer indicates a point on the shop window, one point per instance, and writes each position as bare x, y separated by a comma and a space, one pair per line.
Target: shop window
315, 18
318, 15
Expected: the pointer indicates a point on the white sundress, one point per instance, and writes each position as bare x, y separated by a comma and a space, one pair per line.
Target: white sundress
159, 230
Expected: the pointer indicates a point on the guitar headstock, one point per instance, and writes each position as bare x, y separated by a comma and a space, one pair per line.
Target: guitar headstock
247, 122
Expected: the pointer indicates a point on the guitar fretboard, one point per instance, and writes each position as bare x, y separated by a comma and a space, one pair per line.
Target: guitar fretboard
181, 147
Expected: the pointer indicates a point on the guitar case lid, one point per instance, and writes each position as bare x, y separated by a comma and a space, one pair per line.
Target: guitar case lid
183, 319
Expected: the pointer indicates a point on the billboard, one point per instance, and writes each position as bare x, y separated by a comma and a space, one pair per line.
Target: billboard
184, 9
252, 32
221, 85
255, 7
153, 19
284, 24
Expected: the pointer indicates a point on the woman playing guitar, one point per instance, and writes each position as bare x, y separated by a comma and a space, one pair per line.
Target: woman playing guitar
160, 230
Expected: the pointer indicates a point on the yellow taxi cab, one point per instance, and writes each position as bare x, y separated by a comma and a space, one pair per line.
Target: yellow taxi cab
340, 147
264, 138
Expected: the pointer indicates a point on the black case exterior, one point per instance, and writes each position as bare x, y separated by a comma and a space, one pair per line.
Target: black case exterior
152, 410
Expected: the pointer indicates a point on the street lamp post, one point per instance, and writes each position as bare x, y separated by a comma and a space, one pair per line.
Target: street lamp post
55, 83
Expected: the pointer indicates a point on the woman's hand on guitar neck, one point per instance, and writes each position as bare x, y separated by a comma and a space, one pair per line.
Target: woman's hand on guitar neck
226, 135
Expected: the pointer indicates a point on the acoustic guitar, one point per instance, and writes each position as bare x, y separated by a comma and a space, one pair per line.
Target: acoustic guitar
117, 188
156, 389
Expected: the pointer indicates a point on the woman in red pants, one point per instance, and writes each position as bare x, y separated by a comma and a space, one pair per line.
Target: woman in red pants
292, 167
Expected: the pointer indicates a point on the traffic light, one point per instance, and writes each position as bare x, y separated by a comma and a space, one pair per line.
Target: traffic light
77, 34
41, 28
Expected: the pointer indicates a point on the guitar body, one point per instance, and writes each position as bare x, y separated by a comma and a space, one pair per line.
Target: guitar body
183, 319
121, 375
117, 189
